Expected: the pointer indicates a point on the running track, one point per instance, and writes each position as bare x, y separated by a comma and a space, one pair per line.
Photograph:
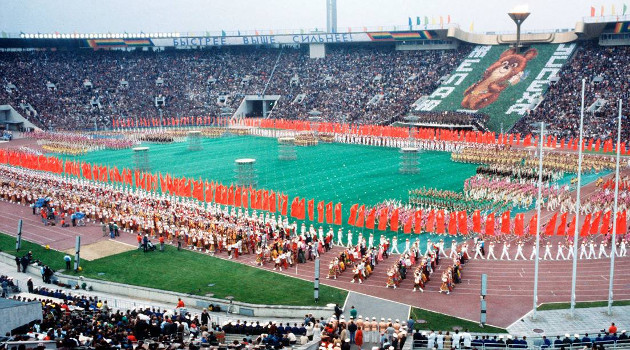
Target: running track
510, 283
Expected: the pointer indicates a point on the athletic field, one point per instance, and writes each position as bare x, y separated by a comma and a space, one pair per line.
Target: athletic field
330, 172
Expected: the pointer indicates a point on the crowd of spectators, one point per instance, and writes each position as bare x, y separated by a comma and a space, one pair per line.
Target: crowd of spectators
87, 89
607, 77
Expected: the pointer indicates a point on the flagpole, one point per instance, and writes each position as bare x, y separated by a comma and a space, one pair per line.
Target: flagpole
614, 228
577, 204
538, 207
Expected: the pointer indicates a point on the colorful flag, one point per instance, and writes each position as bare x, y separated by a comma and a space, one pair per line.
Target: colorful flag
329, 213
417, 226
586, 226
595, 223
431, 221
533, 225
353, 213
369, 223
338, 216
382, 219
592, 11
408, 224
439, 218
360, 217
452, 223
320, 212
563, 225
605, 223
505, 223
311, 210
490, 225
462, 220
551, 225
519, 224
393, 221
476, 218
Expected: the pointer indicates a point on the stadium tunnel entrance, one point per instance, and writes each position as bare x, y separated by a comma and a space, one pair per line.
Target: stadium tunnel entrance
257, 105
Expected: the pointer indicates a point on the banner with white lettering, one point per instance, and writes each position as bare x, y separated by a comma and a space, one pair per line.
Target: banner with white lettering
497, 81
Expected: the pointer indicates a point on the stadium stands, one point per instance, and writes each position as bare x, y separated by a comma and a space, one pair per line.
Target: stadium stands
607, 80
84, 89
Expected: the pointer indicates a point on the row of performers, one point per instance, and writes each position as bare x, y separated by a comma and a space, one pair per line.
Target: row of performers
427, 265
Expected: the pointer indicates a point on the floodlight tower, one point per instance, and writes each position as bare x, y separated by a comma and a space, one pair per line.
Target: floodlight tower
331, 16
519, 14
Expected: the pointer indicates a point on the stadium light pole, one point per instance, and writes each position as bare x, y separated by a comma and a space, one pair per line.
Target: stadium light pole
538, 207
518, 14
577, 203
614, 227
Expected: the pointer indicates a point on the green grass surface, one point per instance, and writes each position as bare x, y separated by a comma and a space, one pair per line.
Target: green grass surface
438, 321
582, 305
50, 257
190, 272
330, 172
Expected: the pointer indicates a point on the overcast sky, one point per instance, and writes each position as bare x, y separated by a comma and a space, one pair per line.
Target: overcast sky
67, 16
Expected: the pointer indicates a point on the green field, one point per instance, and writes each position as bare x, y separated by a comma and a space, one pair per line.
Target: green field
441, 322
189, 272
330, 172
582, 305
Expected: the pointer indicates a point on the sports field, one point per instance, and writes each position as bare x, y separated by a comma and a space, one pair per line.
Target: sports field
330, 172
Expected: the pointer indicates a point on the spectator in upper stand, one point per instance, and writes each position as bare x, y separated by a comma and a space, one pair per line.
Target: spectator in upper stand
586, 339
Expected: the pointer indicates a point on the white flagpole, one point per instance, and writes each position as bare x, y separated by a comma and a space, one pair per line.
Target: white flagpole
577, 205
538, 207
614, 228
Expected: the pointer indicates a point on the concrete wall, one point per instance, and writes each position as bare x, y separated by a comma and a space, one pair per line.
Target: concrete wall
194, 301
19, 315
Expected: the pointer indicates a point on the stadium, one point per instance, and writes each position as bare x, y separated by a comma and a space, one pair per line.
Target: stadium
414, 186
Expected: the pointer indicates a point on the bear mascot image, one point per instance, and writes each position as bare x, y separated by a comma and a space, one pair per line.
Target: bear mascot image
507, 70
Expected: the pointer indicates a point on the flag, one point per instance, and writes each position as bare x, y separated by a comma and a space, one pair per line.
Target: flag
408, 224
294, 207
490, 225
369, 223
360, 217
519, 224
382, 220
612, 9
624, 9
441, 21
338, 217
463, 222
430, 221
417, 226
452, 223
448, 19
222, 32
602, 11
320, 211
472, 27
418, 20
439, 218
426, 21
410, 23
586, 226
533, 223
605, 223
571, 231
329, 213
551, 225
593, 11
393, 221
622, 226
285, 200
311, 210
505, 223
476, 218
563, 225
595, 223
353, 212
